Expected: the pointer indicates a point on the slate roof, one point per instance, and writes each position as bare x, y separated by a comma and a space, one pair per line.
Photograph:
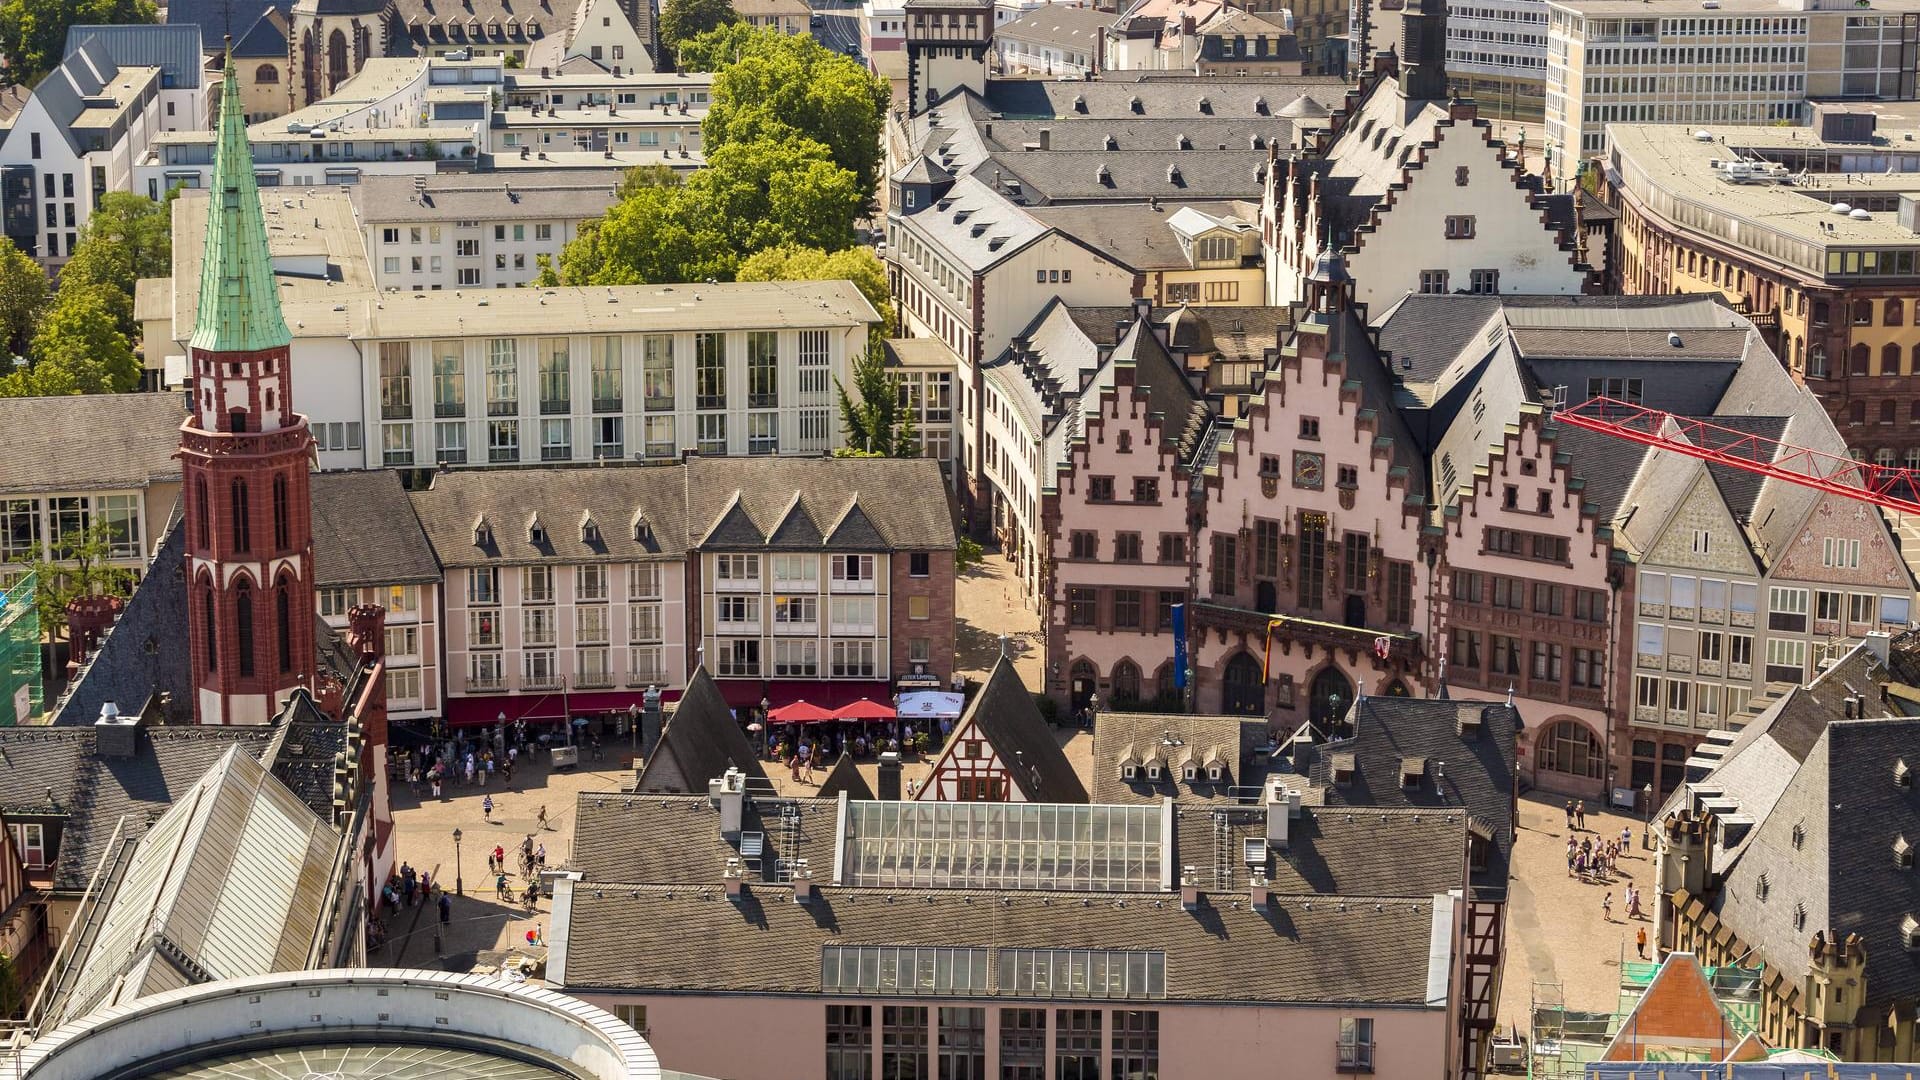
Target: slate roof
845, 777
1609, 466
174, 49
266, 38
976, 226
463, 196
681, 940
145, 652
1135, 134
1331, 851
870, 504
131, 439
1115, 734
700, 742
218, 18
1478, 770
1423, 334
1073, 176
1594, 343
1114, 94
552, 16
365, 532
1135, 235
1005, 715
676, 839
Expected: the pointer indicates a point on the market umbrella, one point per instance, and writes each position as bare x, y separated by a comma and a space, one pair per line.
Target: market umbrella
863, 710
756, 726
799, 712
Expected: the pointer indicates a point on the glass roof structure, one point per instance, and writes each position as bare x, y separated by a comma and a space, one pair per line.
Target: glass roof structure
371, 1061
1036, 846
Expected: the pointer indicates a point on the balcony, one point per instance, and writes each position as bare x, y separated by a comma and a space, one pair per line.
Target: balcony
1680, 614
540, 682
1653, 611
450, 410
606, 404
1353, 1057
1709, 667
486, 683
594, 681
396, 410
1739, 671
1648, 660
1404, 648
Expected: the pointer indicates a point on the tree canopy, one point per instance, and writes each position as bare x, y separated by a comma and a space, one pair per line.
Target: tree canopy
79, 566
774, 86
33, 33
877, 424
684, 20
751, 196
856, 264
78, 348
23, 293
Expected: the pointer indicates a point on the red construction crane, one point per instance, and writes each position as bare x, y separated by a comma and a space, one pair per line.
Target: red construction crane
1881, 485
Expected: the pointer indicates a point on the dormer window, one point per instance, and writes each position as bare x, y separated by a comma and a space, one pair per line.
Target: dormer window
642, 532
1154, 771
1411, 771
1129, 772
1902, 773
536, 532
1902, 852
1341, 767
589, 530
1190, 773
1910, 932
1216, 773
482, 533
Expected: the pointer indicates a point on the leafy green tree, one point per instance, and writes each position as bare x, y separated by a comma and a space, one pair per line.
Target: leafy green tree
80, 566
646, 176
23, 294
140, 225
856, 264
877, 426
683, 20
750, 197
716, 48
33, 33
78, 349
778, 86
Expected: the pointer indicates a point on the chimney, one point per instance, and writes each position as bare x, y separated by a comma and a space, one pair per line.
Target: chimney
1187, 23
802, 890
114, 735
729, 794
1281, 808
734, 882
1261, 894
1189, 889
1877, 643
651, 721
1046, 138
887, 787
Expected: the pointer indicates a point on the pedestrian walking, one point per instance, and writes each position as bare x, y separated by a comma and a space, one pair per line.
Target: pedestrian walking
500, 891
540, 857
446, 910
486, 809
1640, 941
541, 818
1606, 907
1580, 814
1626, 837
1569, 817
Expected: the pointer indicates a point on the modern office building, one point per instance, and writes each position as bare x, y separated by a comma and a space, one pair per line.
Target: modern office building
1739, 62
422, 233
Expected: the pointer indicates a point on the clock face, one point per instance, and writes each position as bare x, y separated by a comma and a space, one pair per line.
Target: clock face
1309, 470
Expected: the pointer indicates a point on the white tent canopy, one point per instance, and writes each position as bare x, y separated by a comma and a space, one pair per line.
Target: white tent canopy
931, 703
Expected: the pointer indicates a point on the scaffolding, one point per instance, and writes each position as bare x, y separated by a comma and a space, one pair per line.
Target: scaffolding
19, 651
1565, 1041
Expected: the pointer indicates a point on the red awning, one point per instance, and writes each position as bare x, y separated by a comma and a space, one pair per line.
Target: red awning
864, 710
554, 707
799, 712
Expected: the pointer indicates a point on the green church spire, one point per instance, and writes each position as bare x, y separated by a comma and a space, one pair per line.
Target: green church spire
239, 304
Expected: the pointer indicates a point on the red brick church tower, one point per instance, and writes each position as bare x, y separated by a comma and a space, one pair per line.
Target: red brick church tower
244, 456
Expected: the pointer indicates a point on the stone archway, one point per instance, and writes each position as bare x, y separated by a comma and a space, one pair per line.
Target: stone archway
1568, 755
1243, 687
1329, 697
1084, 679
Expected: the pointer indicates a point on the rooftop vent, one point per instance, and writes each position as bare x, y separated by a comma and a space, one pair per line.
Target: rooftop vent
1673, 339
1134, 104
1703, 135
1860, 215
1842, 208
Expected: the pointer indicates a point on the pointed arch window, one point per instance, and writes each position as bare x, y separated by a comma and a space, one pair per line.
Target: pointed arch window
208, 621
281, 529
242, 518
201, 515
243, 626
283, 626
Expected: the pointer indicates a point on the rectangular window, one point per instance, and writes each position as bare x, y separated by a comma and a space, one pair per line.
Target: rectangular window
1786, 660
763, 369
449, 379
1589, 668
1355, 1048
503, 441
1827, 605
1077, 1043
396, 382
657, 372
1353, 562
450, 442
1459, 227
1023, 1044
1433, 281
1313, 560
1786, 609
556, 440
1840, 553
483, 585
853, 660
1126, 547
503, 378
903, 1042
1083, 606
1484, 281
606, 374
849, 1042
1173, 548
1266, 548
738, 657
556, 378
1126, 609
1223, 572
1399, 593
710, 371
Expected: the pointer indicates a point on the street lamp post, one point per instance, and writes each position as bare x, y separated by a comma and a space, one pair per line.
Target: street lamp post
459, 882
1646, 831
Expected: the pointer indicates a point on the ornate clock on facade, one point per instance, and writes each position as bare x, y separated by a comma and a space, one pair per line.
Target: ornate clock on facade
1309, 470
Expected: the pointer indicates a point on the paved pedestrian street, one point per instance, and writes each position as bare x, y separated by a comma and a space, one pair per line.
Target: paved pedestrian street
1557, 939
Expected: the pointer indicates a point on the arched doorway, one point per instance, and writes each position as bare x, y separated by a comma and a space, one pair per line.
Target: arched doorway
1243, 691
1085, 678
1329, 697
1568, 748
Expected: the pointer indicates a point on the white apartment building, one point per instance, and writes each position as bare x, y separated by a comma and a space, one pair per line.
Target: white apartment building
883, 26
1497, 53
74, 139
474, 230
1055, 40
499, 376
396, 116
1738, 62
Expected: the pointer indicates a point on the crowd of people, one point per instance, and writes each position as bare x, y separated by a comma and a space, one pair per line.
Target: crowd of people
806, 747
